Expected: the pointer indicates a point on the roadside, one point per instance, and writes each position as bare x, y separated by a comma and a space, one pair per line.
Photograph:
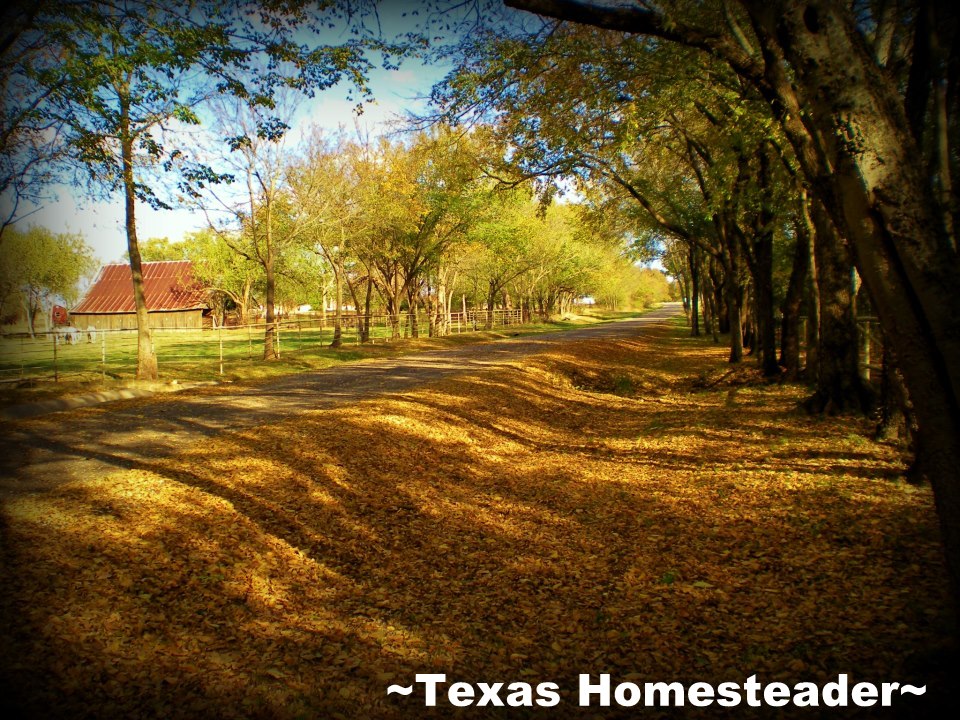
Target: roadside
70, 445
592, 502
38, 396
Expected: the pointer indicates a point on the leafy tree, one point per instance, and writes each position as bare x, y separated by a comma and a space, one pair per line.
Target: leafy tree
631, 121
866, 96
419, 199
158, 249
327, 186
38, 268
268, 225
501, 246
128, 74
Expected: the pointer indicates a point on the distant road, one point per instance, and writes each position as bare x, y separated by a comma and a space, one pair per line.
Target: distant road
71, 445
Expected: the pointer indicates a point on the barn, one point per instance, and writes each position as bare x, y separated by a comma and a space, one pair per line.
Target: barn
175, 298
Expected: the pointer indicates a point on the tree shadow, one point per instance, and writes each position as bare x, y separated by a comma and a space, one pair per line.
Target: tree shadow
493, 528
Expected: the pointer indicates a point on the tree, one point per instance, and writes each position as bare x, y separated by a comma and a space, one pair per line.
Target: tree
501, 241
419, 199
38, 268
327, 187
128, 74
861, 97
264, 214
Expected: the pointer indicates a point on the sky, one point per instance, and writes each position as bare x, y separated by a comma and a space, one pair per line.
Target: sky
102, 223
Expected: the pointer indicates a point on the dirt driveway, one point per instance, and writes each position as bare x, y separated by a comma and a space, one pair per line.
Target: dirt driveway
65, 446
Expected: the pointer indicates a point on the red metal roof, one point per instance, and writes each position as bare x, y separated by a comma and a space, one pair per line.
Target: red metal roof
167, 285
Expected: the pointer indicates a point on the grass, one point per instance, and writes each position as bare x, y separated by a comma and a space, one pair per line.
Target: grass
194, 356
528, 524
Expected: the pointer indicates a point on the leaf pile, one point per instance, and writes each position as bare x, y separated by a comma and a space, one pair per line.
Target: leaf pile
591, 510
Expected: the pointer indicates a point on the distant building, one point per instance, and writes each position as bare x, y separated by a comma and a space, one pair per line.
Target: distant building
59, 316
175, 298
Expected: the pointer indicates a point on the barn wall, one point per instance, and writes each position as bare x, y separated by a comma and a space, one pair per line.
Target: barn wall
179, 319
128, 321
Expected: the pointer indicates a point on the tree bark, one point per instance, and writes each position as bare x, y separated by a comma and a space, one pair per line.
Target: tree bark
792, 304
337, 340
146, 356
839, 386
491, 304
846, 119
894, 404
365, 321
733, 295
694, 292
269, 302
762, 242
412, 309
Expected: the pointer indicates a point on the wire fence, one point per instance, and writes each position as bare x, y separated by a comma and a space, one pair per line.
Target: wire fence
72, 354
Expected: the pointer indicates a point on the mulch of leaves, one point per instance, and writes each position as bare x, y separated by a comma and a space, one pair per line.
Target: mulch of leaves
600, 509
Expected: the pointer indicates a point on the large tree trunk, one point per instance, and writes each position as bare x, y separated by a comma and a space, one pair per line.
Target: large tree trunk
491, 304
243, 307
846, 119
717, 286
762, 243
878, 193
365, 320
694, 292
146, 356
733, 296
31, 315
412, 309
393, 311
894, 411
337, 340
270, 329
839, 387
792, 304
762, 274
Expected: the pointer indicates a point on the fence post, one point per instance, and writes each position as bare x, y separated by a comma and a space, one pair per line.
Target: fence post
103, 356
276, 335
299, 339
21, 357
56, 368
865, 350
220, 339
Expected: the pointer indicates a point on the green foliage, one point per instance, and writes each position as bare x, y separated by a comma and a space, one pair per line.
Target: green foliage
672, 154
39, 268
157, 248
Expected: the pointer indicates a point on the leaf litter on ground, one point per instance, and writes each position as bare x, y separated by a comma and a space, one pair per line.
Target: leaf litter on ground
617, 507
